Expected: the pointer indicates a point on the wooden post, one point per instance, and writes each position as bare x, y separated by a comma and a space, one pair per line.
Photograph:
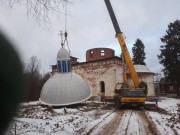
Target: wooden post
15, 129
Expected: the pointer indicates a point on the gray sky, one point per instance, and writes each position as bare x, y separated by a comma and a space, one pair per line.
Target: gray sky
89, 26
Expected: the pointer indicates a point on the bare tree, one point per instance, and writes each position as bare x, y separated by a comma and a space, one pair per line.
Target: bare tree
33, 66
34, 79
32, 76
40, 10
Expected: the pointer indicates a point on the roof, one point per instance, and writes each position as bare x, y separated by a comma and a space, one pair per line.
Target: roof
64, 89
100, 48
142, 69
73, 57
98, 60
63, 54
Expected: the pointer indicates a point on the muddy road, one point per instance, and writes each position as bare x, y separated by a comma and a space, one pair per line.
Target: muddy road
126, 122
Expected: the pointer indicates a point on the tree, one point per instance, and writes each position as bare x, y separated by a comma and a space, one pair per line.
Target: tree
34, 80
170, 53
40, 10
138, 53
32, 76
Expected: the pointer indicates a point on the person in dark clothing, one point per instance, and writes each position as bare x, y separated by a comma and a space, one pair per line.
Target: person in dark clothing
10, 82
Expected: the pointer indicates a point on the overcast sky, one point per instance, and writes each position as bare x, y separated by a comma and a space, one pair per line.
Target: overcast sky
89, 26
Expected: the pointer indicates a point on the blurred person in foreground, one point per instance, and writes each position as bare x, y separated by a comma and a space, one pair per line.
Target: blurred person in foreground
10, 82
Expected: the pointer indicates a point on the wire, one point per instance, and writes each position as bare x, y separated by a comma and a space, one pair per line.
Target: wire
65, 40
66, 34
66, 16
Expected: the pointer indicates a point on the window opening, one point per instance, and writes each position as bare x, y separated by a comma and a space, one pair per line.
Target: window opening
91, 54
102, 86
102, 53
171, 87
59, 66
64, 66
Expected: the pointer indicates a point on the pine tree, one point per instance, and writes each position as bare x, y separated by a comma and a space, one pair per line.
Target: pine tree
170, 53
138, 53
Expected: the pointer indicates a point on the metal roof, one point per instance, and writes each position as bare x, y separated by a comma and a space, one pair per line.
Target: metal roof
64, 89
142, 69
63, 54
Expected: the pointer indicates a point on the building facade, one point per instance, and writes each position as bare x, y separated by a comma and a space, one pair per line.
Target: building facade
166, 88
145, 75
103, 70
102, 75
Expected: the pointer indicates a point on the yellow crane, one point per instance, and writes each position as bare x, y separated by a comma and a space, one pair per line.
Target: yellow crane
124, 95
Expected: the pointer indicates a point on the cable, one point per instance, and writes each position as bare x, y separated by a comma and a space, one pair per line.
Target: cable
65, 33
65, 40
66, 16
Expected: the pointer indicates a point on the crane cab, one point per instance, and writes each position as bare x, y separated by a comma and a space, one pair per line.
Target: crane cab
123, 96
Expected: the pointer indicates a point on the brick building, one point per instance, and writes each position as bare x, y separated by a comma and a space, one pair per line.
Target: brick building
99, 53
103, 70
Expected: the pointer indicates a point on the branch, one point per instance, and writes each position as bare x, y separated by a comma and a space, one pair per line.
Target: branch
40, 10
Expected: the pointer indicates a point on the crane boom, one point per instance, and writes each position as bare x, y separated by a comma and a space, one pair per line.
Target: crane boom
123, 46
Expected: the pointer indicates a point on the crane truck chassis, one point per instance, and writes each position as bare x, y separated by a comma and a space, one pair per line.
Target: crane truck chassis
123, 94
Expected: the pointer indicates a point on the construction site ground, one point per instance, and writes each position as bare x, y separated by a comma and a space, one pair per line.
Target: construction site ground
97, 118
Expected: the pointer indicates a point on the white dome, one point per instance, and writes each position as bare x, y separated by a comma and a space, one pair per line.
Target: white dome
62, 54
64, 89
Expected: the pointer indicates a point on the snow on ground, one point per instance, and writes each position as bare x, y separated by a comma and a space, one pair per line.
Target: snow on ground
127, 119
34, 119
169, 104
168, 121
101, 122
39, 120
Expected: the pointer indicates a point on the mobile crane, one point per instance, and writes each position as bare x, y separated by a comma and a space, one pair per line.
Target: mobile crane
124, 95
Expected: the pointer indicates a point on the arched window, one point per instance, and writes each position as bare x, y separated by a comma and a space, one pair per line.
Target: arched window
91, 54
59, 66
102, 87
64, 66
102, 52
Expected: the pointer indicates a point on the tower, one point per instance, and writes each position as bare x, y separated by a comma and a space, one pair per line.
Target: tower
63, 58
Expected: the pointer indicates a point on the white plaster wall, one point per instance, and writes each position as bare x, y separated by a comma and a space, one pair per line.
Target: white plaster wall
150, 82
111, 77
149, 79
110, 72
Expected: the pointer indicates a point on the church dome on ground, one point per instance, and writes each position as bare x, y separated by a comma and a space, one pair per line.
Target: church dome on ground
64, 89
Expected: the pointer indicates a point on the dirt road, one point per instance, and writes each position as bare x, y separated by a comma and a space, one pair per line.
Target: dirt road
127, 122
113, 124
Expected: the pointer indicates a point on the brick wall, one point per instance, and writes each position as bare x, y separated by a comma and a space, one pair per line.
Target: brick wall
109, 71
99, 53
